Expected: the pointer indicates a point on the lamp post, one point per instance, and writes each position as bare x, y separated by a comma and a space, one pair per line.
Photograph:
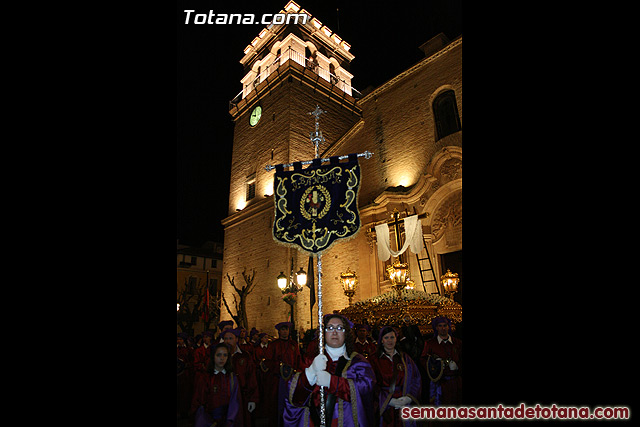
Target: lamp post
290, 286
450, 282
349, 281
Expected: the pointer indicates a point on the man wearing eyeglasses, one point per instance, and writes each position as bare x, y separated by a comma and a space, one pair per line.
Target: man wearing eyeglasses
347, 378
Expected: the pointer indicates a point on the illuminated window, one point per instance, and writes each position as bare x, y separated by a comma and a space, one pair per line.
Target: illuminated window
445, 113
250, 187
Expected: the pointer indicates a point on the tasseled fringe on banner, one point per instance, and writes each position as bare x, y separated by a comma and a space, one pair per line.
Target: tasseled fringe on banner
367, 155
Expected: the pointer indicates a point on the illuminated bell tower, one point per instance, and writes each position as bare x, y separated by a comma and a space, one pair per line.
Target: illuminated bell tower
289, 69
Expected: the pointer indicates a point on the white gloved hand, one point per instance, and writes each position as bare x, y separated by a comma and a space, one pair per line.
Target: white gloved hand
319, 363
403, 401
394, 403
251, 406
324, 378
311, 375
453, 366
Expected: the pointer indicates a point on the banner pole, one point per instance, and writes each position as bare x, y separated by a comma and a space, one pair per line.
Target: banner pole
320, 337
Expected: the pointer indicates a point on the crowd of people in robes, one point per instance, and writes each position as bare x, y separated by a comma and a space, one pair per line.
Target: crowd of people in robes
232, 378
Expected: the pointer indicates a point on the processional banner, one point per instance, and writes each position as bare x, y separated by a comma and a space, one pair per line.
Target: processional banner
317, 206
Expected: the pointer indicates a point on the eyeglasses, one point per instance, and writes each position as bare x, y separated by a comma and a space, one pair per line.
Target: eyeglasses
332, 328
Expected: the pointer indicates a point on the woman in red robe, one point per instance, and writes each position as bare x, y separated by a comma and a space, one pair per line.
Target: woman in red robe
398, 380
216, 395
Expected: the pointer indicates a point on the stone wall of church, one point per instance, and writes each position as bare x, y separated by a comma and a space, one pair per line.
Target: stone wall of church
397, 124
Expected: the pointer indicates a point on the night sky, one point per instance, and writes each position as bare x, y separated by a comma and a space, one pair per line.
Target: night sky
383, 39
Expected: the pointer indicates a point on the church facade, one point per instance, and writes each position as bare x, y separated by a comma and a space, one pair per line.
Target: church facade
412, 124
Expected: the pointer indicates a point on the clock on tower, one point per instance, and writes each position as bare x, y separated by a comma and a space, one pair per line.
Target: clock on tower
255, 115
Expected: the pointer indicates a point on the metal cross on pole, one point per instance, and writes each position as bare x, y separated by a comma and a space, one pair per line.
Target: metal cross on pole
316, 137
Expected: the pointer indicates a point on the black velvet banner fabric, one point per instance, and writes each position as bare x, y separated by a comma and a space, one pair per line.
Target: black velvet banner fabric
317, 206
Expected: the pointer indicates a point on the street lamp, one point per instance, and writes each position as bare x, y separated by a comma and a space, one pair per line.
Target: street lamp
450, 282
290, 286
349, 281
301, 277
282, 281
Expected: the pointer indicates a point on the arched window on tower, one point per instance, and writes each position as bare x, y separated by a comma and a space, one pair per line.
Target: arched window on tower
445, 113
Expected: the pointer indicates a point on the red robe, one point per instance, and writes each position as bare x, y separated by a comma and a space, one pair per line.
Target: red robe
185, 379
245, 369
246, 347
259, 352
312, 349
451, 381
366, 349
262, 377
219, 395
201, 358
384, 369
280, 352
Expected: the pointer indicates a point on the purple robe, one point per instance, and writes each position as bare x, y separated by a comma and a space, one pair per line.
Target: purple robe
356, 382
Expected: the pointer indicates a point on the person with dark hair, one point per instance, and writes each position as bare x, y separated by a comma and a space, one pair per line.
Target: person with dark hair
312, 347
442, 360
398, 380
202, 354
259, 353
281, 360
245, 369
223, 326
244, 344
412, 344
362, 344
347, 378
216, 395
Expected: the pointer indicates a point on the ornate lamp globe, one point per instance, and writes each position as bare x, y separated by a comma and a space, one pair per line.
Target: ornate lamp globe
282, 281
398, 273
301, 277
349, 281
450, 282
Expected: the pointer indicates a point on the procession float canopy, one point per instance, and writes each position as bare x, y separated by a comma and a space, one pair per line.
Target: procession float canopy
404, 305
408, 307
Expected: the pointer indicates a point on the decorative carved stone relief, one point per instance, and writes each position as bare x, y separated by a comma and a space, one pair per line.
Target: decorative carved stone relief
448, 215
450, 170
